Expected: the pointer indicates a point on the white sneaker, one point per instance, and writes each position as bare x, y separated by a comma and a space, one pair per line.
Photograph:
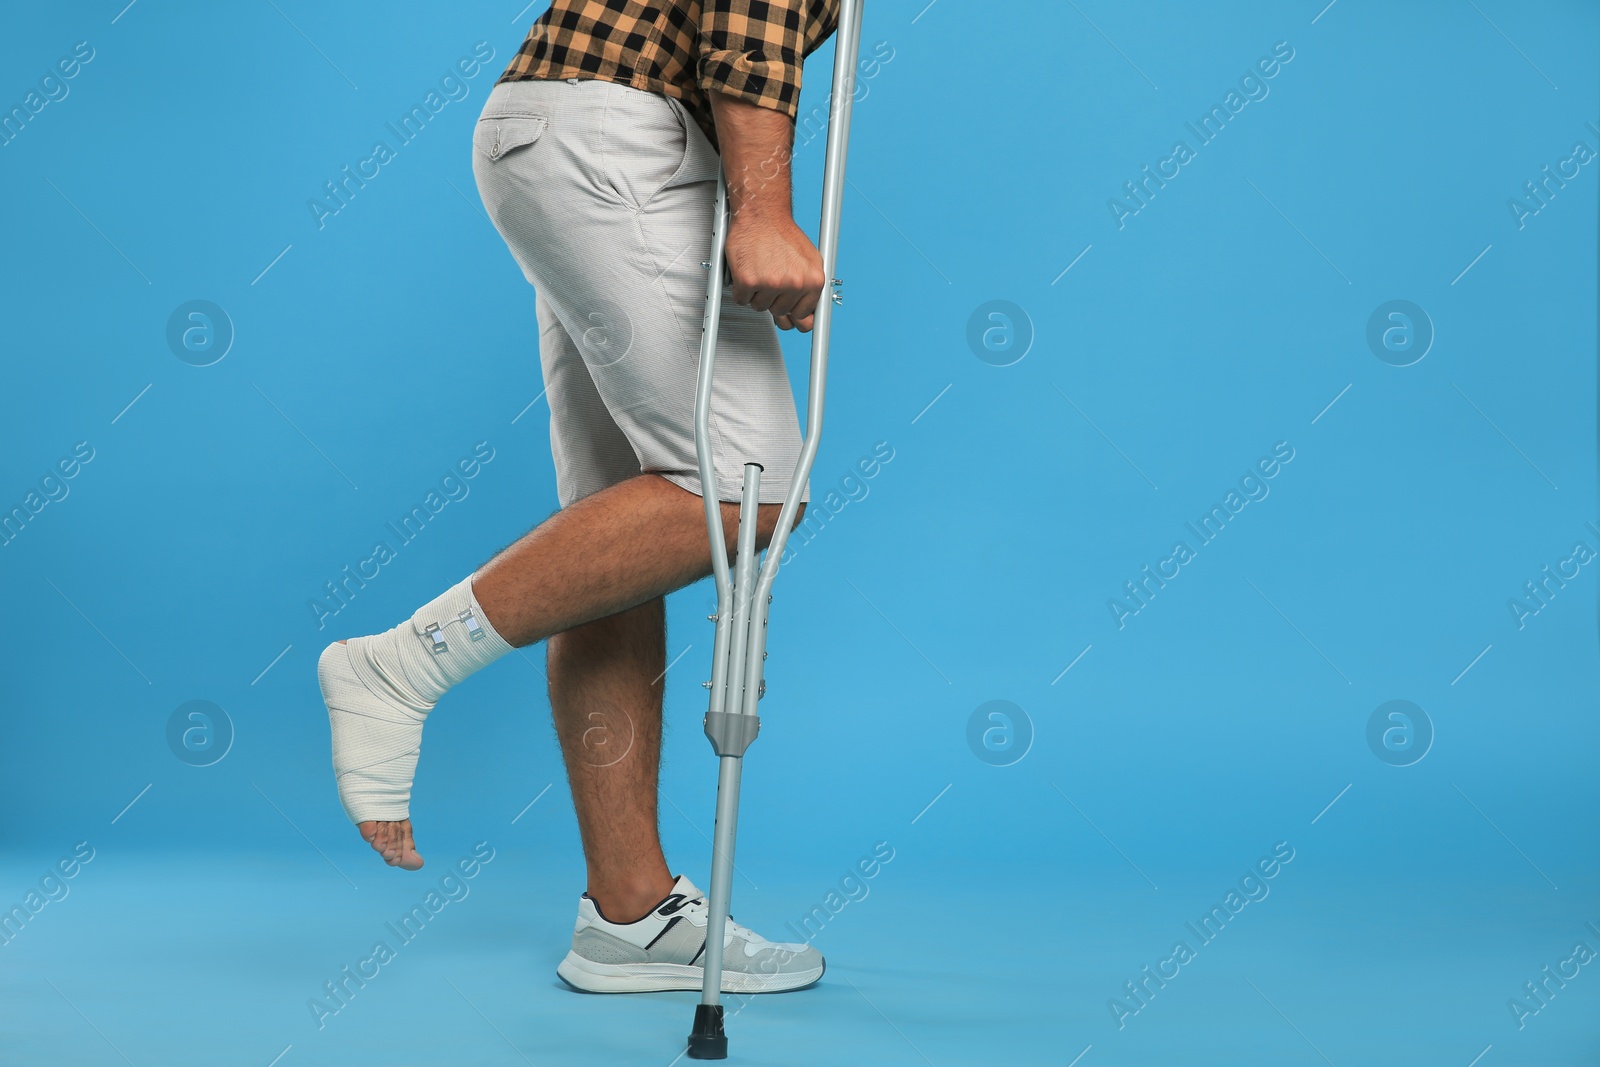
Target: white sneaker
662, 951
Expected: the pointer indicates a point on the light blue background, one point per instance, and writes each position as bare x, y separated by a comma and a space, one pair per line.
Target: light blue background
1227, 716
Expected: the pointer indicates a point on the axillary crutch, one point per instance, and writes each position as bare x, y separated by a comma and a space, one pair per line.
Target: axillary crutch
739, 648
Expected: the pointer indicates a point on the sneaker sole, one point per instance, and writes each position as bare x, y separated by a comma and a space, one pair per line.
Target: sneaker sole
591, 977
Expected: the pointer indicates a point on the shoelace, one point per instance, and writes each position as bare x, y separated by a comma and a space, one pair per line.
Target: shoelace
734, 928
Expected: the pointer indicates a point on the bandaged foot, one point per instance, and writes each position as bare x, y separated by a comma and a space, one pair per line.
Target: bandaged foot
379, 690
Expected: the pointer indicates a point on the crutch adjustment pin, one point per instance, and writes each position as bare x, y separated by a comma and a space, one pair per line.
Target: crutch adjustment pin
712, 617
705, 685
838, 291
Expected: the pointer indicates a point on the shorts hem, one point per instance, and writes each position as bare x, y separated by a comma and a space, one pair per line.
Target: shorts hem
771, 492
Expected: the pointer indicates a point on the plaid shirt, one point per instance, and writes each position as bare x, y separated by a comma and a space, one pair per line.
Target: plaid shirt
751, 49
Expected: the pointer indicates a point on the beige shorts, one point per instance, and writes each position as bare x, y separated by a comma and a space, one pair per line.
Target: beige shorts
604, 195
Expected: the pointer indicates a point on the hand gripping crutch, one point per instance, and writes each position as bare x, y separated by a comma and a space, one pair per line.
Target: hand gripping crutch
741, 636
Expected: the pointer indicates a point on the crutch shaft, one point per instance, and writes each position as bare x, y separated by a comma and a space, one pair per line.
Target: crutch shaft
719, 728
702, 438
722, 841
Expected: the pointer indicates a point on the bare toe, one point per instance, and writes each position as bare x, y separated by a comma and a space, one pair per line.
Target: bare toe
410, 858
393, 841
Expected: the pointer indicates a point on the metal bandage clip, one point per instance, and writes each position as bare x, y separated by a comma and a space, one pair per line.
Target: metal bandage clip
474, 631
431, 631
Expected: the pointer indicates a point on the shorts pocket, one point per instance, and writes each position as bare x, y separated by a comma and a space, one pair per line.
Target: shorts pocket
642, 144
498, 135
700, 161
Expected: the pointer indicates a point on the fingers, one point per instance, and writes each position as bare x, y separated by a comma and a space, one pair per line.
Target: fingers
787, 298
788, 322
798, 304
784, 300
793, 295
806, 300
776, 268
793, 304
767, 299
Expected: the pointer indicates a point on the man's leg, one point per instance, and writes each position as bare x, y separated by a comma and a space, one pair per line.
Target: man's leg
605, 693
607, 553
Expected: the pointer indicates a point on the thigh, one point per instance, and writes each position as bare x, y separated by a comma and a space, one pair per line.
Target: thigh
608, 211
753, 417
590, 451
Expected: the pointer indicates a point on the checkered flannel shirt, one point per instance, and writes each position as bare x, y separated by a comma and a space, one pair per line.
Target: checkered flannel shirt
751, 49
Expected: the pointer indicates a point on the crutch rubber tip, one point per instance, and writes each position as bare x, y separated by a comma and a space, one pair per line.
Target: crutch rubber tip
708, 1042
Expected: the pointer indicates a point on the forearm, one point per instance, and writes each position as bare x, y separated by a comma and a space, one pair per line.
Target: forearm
772, 263
756, 144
